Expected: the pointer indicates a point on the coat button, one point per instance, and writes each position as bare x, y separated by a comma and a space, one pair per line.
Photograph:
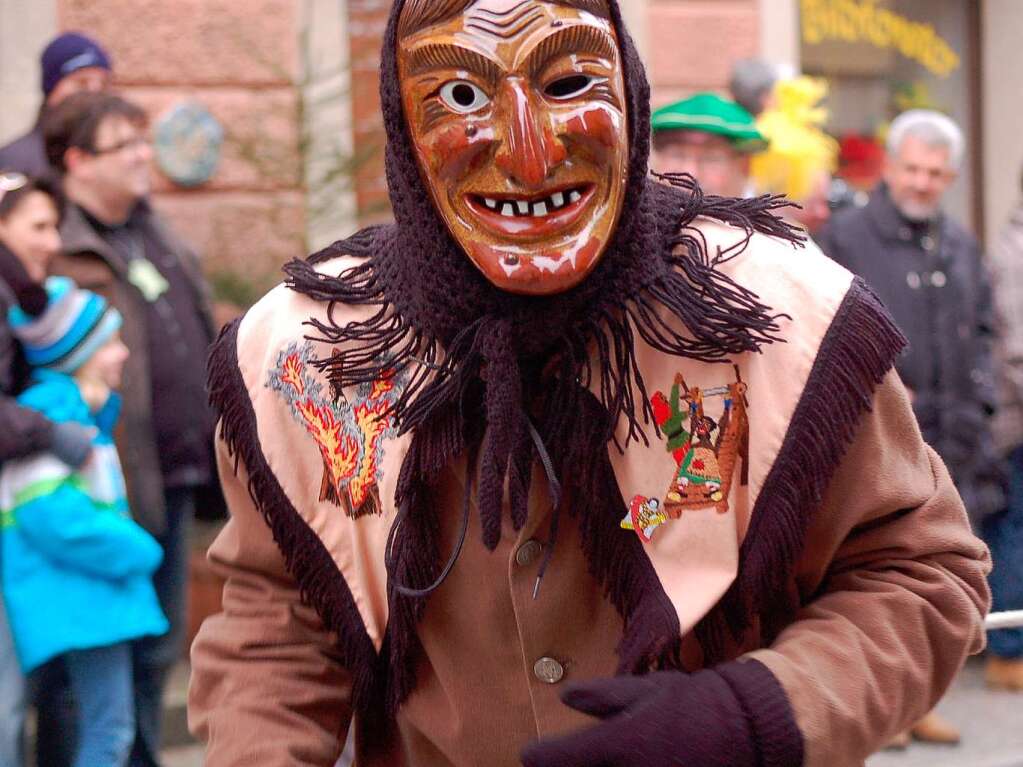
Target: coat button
927, 243
528, 552
913, 280
548, 671
938, 279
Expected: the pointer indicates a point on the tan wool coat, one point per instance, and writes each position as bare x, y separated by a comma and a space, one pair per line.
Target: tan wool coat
868, 621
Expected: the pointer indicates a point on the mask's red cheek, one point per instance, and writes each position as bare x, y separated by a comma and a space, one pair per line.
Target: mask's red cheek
599, 127
455, 150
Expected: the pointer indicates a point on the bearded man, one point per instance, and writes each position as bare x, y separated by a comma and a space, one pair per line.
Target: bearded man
457, 525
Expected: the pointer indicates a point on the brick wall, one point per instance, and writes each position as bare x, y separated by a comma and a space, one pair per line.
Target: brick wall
693, 44
367, 20
241, 61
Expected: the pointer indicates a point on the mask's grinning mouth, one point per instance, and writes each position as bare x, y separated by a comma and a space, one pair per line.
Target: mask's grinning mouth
538, 207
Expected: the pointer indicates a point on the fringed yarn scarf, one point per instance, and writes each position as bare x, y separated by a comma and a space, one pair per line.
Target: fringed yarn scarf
502, 381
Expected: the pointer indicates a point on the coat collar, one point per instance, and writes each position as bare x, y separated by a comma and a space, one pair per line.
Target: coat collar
891, 224
80, 236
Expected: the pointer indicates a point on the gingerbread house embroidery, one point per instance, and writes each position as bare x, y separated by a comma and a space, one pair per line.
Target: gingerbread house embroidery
705, 450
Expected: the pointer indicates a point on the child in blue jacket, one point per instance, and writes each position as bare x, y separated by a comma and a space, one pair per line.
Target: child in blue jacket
76, 569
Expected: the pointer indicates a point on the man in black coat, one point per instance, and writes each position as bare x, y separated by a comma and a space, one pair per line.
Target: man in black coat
929, 272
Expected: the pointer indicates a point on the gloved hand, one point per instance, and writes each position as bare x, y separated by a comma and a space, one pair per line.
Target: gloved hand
72, 442
735, 715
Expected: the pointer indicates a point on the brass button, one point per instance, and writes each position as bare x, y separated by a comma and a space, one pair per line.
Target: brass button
548, 671
528, 552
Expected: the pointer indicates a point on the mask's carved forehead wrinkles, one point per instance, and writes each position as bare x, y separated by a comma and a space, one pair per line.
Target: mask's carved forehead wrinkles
493, 15
506, 24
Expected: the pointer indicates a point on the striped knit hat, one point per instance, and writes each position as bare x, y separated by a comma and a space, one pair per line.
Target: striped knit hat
75, 324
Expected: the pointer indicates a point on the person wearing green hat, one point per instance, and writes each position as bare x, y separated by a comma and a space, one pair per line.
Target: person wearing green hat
710, 137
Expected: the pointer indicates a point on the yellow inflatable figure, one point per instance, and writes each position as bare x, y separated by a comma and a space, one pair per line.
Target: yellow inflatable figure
800, 157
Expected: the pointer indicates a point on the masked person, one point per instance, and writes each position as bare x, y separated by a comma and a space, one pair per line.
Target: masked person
710, 138
533, 475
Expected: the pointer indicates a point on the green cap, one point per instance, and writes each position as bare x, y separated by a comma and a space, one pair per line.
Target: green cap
709, 113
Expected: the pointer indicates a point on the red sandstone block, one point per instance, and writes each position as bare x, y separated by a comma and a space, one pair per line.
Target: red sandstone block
192, 41
250, 235
694, 43
261, 133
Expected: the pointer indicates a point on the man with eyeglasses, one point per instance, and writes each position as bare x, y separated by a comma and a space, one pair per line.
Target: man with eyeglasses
117, 245
71, 63
710, 138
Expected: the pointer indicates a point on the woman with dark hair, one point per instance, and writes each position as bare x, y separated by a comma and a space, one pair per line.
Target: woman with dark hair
29, 216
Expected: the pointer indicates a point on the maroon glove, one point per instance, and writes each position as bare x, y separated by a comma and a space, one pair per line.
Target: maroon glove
736, 715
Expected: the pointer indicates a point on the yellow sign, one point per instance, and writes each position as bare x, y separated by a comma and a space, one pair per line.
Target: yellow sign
864, 21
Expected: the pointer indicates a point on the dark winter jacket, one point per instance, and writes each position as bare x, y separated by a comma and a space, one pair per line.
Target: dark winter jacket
932, 278
26, 155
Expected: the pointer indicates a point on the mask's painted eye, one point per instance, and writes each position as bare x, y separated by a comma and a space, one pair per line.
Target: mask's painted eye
463, 96
570, 87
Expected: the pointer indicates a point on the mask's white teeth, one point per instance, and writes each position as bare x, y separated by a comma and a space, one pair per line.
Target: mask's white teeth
574, 196
508, 210
557, 199
523, 207
492, 204
540, 209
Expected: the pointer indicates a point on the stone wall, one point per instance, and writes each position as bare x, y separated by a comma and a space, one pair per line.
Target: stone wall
692, 44
367, 20
241, 60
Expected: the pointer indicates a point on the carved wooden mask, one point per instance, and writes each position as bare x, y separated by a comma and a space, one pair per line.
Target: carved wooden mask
516, 109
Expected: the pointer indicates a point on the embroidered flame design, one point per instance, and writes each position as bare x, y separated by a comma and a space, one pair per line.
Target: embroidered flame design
339, 451
347, 434
291, 373
383, 387
372, 421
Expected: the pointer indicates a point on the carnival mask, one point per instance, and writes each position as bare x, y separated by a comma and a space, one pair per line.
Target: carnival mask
516, 110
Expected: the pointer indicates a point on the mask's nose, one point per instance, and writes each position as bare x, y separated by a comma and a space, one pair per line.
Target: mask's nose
529, 150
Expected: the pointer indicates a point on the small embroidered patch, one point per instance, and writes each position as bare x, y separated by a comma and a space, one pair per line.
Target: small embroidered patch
347, 432
705, 451
645, 516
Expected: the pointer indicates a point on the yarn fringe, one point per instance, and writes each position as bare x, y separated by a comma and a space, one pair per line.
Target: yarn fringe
857, 352
320, 582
